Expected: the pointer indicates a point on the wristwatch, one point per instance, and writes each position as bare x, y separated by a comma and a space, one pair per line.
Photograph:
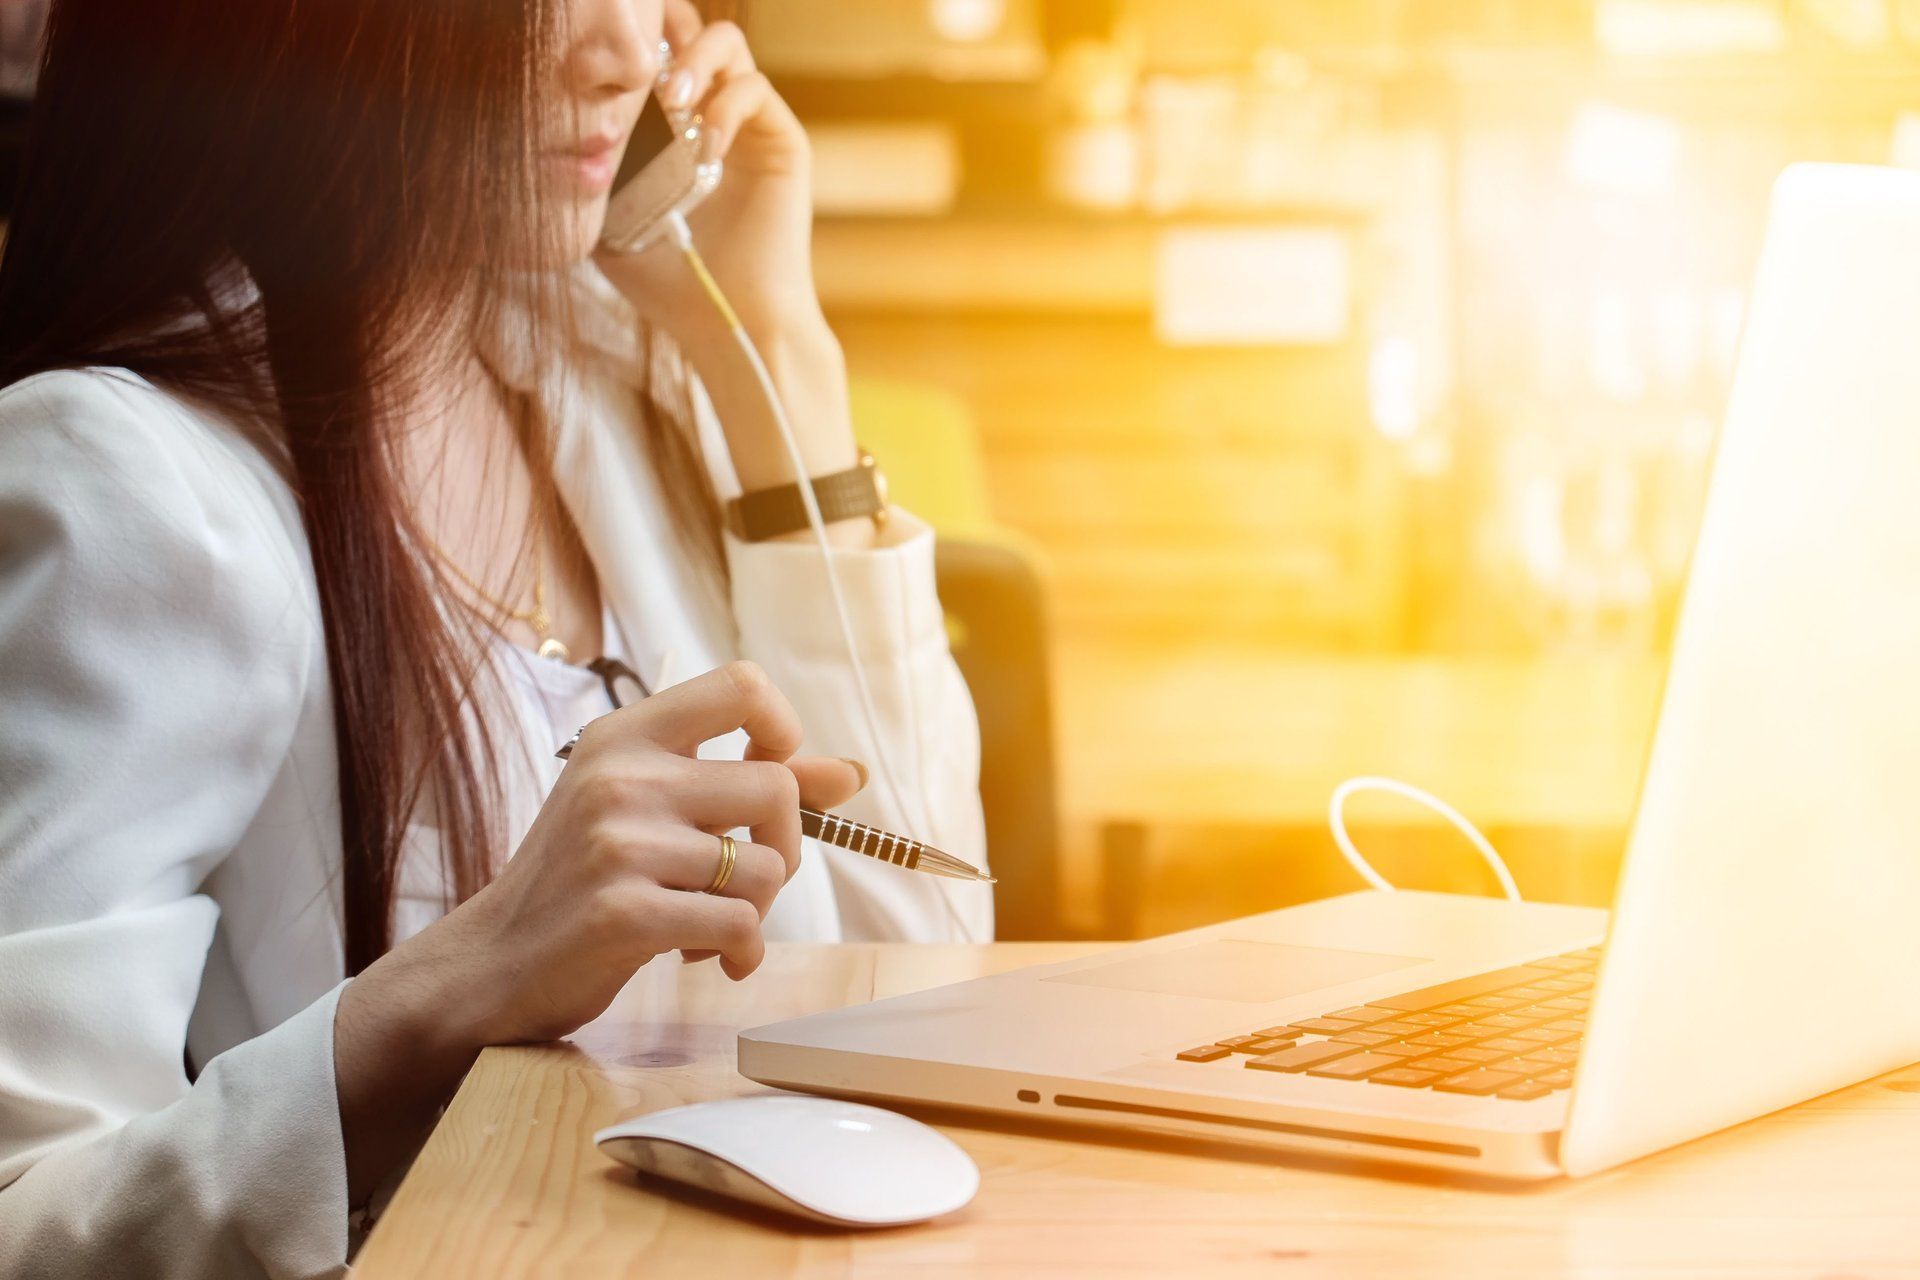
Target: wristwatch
861, 490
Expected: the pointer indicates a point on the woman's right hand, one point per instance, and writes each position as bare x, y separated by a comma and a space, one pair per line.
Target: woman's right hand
613, 870
611, 874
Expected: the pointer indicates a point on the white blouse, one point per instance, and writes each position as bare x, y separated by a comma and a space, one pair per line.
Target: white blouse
567, 694
169, 812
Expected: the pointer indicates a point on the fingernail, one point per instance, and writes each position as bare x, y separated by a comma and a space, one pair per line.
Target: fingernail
679, 89
859, 769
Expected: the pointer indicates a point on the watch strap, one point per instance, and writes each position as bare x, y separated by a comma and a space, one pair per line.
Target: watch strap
845, 495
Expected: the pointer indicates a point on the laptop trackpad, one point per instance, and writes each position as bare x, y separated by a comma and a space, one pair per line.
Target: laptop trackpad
1250, 972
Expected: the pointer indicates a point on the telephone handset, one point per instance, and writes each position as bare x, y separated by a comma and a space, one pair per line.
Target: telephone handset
660, 174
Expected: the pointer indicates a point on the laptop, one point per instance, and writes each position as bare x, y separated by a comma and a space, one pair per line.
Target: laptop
1764, 942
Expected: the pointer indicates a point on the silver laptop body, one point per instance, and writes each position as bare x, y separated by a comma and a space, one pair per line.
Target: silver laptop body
1772, 876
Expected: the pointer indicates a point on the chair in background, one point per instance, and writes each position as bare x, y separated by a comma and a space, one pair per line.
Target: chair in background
995, 602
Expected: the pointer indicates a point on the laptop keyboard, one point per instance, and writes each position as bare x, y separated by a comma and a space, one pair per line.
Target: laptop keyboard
1513, 1033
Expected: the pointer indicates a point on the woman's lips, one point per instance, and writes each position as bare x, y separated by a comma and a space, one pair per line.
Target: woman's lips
589, 164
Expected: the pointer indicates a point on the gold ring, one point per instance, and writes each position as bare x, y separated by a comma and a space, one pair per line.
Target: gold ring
728, 852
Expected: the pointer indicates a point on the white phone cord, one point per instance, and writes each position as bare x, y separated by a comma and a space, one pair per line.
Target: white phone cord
1337, 823
682, 237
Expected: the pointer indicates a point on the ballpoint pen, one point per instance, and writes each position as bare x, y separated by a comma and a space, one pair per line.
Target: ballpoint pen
870, 841
858, 837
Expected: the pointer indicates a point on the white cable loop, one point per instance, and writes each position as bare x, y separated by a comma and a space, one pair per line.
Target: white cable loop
1337, 824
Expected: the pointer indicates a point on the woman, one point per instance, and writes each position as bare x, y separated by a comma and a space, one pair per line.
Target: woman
320, 420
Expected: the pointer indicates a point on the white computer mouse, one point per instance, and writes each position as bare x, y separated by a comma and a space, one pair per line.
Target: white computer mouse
835, 1162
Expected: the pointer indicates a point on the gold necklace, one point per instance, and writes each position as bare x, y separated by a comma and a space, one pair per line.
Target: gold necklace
551, 646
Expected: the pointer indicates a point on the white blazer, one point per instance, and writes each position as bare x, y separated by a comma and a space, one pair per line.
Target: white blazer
169, 830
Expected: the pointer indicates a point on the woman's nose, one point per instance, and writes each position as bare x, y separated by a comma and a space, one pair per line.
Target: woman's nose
613, 46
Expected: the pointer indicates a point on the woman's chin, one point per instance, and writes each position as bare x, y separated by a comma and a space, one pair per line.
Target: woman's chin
574, 235
582, 234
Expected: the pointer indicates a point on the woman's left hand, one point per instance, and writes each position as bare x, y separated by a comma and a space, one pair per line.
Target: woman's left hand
755, 227
755, 232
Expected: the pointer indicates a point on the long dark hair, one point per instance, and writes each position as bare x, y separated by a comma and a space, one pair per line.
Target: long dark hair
366, 166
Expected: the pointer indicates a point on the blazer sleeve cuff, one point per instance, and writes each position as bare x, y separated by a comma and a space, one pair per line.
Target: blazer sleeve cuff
289, 1183
783, 604
245, 1172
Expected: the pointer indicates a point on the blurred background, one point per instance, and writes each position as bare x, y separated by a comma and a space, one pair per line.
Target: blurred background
1302, 388
1346, 373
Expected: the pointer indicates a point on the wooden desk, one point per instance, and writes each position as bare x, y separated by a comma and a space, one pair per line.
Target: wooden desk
511, 1184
